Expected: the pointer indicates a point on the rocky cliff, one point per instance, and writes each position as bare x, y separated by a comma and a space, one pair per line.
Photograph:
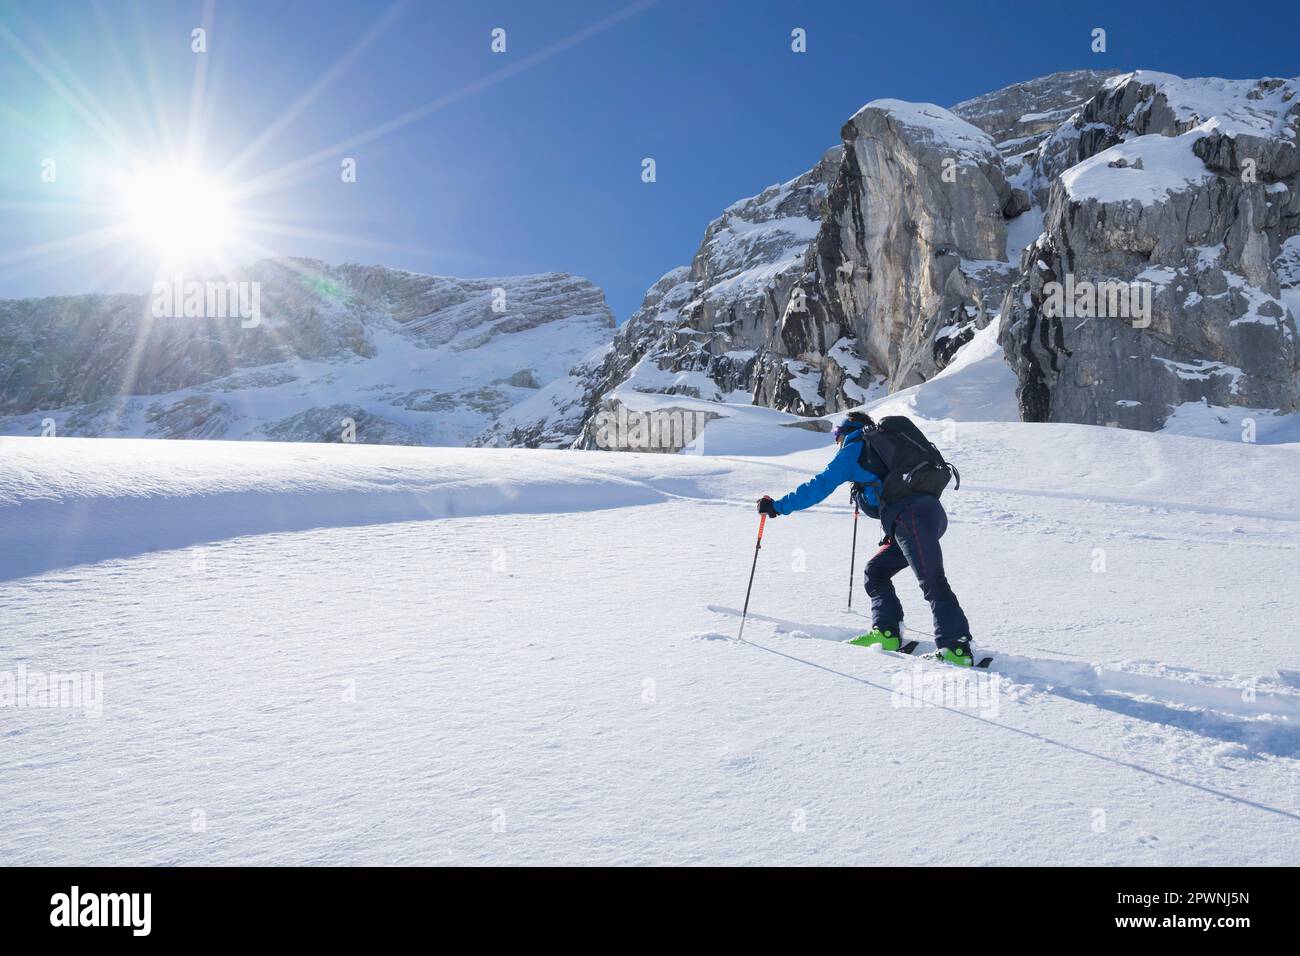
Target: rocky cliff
861, 276
1183, 190
867, 273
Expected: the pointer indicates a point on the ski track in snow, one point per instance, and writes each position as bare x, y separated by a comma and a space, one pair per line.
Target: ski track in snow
1183, 700
295, 655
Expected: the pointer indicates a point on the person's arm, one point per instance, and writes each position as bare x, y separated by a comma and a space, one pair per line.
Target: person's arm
818, 487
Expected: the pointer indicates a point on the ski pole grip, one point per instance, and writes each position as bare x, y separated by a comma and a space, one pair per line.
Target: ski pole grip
762, 520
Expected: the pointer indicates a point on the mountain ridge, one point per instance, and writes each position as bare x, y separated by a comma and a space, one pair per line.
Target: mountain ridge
385, 350
863, 276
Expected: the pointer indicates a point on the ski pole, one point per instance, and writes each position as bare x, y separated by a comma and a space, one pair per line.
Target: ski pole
757, 544
853, 555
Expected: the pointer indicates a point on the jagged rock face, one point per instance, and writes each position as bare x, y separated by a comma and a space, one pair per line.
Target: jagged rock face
405, 358
1191, 188
861, 275
710, 323
1020, 115
920, 192
553, 416
701, 328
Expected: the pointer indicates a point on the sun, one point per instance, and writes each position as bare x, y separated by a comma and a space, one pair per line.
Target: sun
178, 212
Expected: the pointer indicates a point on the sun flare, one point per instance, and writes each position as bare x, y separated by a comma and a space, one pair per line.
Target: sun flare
178, 212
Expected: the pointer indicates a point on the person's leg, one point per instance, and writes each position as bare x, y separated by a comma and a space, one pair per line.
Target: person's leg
886, 611
918, 528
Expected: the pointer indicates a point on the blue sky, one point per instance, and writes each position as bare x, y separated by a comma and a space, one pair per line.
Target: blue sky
525, 161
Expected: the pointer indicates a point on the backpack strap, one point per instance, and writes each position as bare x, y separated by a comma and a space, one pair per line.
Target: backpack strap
878, 448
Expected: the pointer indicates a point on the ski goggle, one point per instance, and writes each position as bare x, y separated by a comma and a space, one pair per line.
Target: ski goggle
847, 429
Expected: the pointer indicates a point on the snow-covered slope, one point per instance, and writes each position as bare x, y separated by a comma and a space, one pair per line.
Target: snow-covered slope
361, 654
408, 359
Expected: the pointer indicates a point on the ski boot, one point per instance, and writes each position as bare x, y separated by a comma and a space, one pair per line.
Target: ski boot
889, 639
957, 653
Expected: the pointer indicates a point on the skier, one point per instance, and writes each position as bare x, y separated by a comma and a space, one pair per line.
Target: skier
907, 504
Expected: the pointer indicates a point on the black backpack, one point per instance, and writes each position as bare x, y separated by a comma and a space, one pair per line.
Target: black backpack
896, 450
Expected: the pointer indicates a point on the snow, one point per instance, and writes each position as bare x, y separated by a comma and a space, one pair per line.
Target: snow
765, 250
1287, 263
1202, 370
1208, 257
555, 409
1235, 107
1291, 299
748, 283
1021, 233
806, 380
973, 267
739, 428
1157, 275
787, 228
648, 376
1008, 145
1169, 166
844, 354
1203, 106
940, 127
1236, 424
1062, 113
395, 383
334, 654
976, 385
432, 360
753, 244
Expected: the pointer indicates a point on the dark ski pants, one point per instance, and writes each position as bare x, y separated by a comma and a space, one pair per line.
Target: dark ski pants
918, 523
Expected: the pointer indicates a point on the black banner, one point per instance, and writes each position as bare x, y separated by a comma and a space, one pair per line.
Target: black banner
933, 905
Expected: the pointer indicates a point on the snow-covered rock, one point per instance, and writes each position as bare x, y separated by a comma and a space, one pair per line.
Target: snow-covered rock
869, 273
340, 352
863, 275
1020, 115
1187, 188
920, 198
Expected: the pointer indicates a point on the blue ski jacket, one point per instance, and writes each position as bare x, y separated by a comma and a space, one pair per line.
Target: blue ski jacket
843, 467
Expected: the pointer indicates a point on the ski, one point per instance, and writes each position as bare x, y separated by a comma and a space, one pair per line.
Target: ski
906, 648
982, 664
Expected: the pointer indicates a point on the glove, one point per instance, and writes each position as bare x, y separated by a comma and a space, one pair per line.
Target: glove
766, 506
